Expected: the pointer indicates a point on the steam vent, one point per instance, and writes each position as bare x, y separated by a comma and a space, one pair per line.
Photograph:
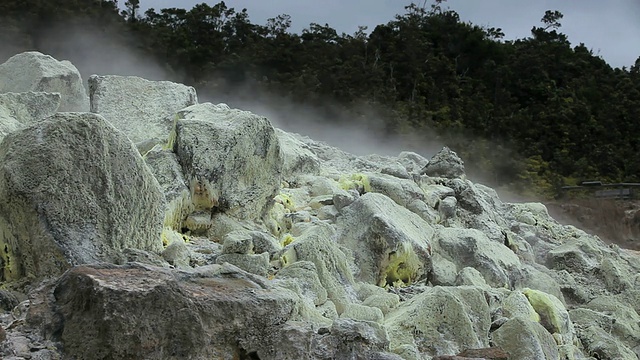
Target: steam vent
139, 223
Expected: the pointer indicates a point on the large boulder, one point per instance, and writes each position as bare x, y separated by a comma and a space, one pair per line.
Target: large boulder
608, 327
525, 339
73, 190
230, 158
145, 312
33, 71
144, 110
167, 170
316, 244
391, 245
469, 247
440, 321
30, 107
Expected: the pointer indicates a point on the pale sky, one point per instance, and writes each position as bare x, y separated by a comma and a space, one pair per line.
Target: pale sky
610, 28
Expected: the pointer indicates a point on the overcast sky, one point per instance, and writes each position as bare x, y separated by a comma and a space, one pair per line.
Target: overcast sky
610, 28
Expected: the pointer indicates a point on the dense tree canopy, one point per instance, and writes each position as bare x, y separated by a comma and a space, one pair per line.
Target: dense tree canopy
533, 113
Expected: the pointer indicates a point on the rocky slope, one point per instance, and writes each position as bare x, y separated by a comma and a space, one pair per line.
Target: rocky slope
157, 227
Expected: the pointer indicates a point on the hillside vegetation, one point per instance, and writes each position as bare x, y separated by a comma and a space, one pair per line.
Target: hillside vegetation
531, 114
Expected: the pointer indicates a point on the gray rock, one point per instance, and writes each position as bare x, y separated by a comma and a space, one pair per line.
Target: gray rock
470, 276
517, 305
140, 108
33, 71
30, 107
390, 243
177, 254
402, 191
238, 242
263, 242
359, 339
576, 255
600, 342
412, 161
445, 164
447, 207
344, 198
297, 157
166, 169
469, 247
231, 157
316, 244
537, 277
396, 169
320, 201
8, 300
8, 124
329, 213
218, 313
384, 301
344, 339
434, 193
619, 320
96, 199
441, 320
525, 339
253, 263
144, 257
362, 313
203, 252
306, 275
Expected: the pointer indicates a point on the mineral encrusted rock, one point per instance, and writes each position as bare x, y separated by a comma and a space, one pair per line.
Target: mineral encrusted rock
147, 116
33, 71
73, 190
231, 156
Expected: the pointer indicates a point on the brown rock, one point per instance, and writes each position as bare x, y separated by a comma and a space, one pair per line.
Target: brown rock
140, 312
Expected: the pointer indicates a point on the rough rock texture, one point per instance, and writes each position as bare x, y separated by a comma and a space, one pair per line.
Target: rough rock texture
390, 245
94, 200
297, 156
232, 156
470, 247
166, 169
186, 314
33, 71
316, 244
440, 321
525, 339
446, 164
147, 115
19, 110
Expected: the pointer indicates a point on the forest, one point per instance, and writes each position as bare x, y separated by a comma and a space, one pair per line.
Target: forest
531, 114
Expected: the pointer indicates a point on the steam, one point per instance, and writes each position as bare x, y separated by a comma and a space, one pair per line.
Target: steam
95, 50
361, 135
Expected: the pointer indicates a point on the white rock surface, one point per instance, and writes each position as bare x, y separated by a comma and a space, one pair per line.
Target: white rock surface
33, 71
94, 200
144, 110
230, 158
390, 244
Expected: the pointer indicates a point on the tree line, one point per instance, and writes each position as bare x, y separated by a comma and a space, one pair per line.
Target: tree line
532, 114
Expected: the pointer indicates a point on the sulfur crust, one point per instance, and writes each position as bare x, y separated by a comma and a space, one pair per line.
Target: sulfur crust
401, 268
548, 308
356, 181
